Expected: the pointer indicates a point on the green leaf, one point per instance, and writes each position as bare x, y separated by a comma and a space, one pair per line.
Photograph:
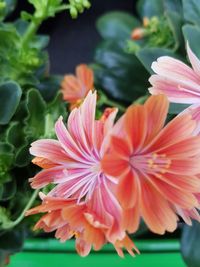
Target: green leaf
5, 148
9, 190
192, 35
40, 42
10, 95
148, 55
15, 134
8, 7
191, 11
49, 86
119, 74
177, 108
175, 24
173, 5
116, 25
35, 122
23, 157
150, 8
57, 107
190, 244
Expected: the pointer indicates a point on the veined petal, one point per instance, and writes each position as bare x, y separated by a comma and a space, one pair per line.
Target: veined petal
82, 247
175, 70
183, 149
48, 176
49, 149
131, 219
184, 199
136, 125
69, 145
128, 190
71, 88
187, 94
86, 77
157, 108
175, 131
155, 209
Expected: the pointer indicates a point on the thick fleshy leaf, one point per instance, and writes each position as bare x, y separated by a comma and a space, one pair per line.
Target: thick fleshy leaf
173, 5
49, 87
118, 73
10, 95
192, 35
116, 25
150, 8
190, 244
35, 122
8, 190
191, 11
15, 134
175, 23
148, 55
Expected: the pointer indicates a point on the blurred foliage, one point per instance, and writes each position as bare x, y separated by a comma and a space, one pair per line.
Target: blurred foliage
30, 104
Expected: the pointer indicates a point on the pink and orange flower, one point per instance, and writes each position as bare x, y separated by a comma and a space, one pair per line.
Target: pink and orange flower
76, 88
108, 176
157, 166
179, 82
73, 164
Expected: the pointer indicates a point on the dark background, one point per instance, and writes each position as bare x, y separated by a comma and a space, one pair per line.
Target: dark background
73, 41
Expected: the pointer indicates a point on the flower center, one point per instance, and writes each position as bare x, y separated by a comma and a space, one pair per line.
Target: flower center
96, 168
150, 163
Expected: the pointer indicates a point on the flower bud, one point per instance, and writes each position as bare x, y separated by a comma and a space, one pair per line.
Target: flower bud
86, 4
138, 33
73, 12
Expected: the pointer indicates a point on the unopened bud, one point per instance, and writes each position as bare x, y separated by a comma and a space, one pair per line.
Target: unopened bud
79, 7
138, 33
73, 12
146, 22
86, 4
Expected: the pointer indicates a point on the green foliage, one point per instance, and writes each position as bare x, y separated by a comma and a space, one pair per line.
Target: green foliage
30, 104
192, 36
10, 95
190, 244
112, 65
191, 11
6, 7
150, 8
148, 55
116, 25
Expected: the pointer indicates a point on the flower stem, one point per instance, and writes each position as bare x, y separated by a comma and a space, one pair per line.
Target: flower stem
12, 224
31, 30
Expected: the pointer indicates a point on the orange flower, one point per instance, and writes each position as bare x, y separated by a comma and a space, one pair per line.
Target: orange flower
75, 88
88, 226
157, 166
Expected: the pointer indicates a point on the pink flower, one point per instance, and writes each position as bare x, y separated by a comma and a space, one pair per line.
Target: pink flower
157, 166
175, 79
73, 164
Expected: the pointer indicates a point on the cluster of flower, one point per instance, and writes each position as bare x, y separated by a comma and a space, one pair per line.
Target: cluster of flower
108, 175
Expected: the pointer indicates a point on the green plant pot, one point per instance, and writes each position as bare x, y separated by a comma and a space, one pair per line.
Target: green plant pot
48, 252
